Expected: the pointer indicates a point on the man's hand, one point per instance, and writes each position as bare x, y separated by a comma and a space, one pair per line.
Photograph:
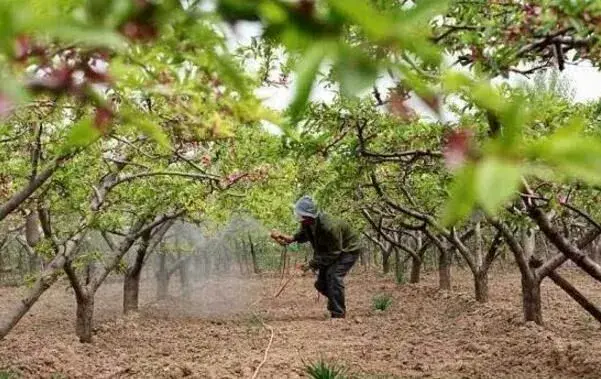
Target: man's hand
312, 265
281, 238
305, 267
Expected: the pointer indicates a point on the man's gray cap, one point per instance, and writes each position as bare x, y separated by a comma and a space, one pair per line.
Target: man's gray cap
305, 207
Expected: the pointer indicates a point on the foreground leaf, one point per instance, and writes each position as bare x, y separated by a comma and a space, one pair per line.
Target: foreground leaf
306, 73
496, 182
462, 196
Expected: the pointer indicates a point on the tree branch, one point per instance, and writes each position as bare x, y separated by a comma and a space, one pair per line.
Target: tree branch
563, 245
18, 198
132, 177
37, 151
68, 267
514, 246
557, 260
492, 251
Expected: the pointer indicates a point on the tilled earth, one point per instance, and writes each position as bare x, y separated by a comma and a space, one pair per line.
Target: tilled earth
223, 331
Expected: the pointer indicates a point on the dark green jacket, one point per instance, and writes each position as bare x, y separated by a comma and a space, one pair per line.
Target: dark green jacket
329, 237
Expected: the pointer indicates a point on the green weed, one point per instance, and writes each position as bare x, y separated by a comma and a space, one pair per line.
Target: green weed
382, 302
8, 374
325, 370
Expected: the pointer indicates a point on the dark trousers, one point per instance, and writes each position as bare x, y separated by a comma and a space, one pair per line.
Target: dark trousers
330, 282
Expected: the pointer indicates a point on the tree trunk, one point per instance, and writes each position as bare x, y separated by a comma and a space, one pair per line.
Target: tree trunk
528, 242
416, 268
162, 286
18, 198
375, 257
34, 263
283, 261
253, 255
32, 231
184, 276
531, 300
45, 280
207, 264
362, 259
131, 283
596, 251
162, 278
241, 264
85, 316
386, 262
591, 308
131, 290
399, 269
444, 270
481, 286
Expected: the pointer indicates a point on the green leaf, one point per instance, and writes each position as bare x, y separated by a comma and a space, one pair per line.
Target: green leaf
306, 73
13, 89
454, 81
513, 118
496, 182
462, 196
88, 36
356, 73
150, 129
571, 155
424, 10
486, 96
573, 127
273, 12
238, 9
230, 70
81, 134
374, 23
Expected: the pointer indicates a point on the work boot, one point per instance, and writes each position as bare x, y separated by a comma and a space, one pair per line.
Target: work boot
335, 315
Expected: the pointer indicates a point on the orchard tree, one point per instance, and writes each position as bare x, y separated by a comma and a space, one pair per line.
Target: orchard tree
177, 87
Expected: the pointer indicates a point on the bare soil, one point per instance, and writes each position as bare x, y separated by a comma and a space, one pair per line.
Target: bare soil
220, 333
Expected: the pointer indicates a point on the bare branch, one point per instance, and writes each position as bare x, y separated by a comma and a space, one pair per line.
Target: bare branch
571, 251
72, 276
514, 246
37, 151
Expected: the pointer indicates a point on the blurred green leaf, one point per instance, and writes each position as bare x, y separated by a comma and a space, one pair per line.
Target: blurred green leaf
453, 81
150, 129
273, 12
374, 23
81, 134
485, 96
513, 118
109, 13
238, 9
573, 156
307, 70
462, 196
356, 72
88, 36
496, 182
424, 10
13, 89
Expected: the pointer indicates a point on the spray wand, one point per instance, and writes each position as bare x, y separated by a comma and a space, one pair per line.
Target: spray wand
279, 238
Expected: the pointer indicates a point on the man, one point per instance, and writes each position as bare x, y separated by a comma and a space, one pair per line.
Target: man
335, 250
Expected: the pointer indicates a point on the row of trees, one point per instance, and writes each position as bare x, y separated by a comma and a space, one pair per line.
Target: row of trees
122, 125
121, 117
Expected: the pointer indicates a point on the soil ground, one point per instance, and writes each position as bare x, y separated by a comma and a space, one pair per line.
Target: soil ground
424, 333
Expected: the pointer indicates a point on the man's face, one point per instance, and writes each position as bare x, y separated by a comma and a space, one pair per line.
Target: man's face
307, 221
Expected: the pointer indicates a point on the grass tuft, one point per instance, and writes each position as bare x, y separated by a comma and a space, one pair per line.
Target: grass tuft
382, 302
8, 374
322, 369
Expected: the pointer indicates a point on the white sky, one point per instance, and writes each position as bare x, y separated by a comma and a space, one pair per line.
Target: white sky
584, 79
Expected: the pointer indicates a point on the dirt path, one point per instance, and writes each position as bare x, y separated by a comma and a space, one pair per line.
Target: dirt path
424, 333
